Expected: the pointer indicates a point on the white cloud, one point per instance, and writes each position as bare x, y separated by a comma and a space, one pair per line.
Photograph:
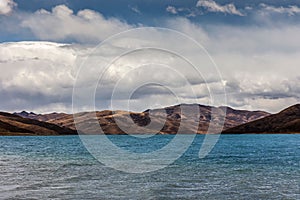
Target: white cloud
261, 67
62, 23
290, 10
37, 67
171, 9
183, 11
6, 6
193, 30
135, 9
212, 6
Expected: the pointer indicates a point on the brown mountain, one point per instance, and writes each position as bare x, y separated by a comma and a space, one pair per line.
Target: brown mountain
11, 124
165, 120
40, 117
286, 121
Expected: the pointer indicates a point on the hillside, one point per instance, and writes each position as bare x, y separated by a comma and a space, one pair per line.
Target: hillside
11, 124
286, 121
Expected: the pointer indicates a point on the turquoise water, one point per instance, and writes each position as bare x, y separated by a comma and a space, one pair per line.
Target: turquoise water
239, 167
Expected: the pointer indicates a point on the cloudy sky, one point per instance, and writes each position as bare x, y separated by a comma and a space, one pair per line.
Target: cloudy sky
254, 44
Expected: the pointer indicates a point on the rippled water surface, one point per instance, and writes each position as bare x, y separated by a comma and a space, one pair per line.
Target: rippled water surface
239, 167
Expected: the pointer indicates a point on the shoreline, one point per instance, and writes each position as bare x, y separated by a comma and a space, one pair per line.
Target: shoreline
32, 135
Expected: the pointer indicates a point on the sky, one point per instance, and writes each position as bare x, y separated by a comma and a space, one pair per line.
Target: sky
254, 44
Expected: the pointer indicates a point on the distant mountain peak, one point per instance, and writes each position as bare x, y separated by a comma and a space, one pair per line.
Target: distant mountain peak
25, 114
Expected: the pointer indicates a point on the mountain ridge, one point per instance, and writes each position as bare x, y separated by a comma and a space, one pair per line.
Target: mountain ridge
286, 121
168, 119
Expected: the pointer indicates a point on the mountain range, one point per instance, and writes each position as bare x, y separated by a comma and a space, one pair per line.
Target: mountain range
164, 121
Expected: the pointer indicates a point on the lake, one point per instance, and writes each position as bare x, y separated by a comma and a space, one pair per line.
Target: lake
265, 166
